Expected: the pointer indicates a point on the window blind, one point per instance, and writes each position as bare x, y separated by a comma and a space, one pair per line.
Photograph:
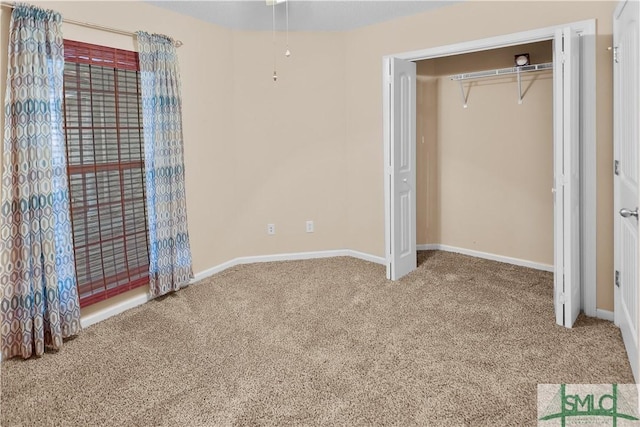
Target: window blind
103, 130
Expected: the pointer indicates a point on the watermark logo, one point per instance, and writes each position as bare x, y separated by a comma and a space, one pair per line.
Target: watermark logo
588, 405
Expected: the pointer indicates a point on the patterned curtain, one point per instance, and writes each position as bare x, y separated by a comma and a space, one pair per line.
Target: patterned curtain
169, 249
39, 304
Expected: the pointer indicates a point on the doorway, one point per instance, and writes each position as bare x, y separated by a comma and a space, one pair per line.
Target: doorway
484, 155
574, 159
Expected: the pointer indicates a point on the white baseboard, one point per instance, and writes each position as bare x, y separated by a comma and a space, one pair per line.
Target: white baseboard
113, 310
604, 314
213, 270
290, 256
429, 247
366, 257
486, 255
141, 299
295, 256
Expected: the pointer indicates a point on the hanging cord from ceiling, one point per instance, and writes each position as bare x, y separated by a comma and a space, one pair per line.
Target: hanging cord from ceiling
273, 36
287, 53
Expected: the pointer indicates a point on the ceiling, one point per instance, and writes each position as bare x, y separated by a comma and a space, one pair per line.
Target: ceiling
304, 15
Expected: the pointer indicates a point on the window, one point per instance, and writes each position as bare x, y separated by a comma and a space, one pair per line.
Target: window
103, 132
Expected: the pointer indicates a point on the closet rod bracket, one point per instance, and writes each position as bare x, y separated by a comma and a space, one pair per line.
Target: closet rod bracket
519, 88
462, 95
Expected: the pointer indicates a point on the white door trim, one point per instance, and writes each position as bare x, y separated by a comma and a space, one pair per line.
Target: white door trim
587, 31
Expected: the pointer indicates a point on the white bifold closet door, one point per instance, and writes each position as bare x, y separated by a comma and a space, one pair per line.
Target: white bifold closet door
401, 174
566, 157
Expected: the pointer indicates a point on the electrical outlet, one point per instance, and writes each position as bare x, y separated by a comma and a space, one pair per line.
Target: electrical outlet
271, 229
309, 226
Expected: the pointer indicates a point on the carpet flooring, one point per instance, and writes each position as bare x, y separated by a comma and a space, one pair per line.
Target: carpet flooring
460, 341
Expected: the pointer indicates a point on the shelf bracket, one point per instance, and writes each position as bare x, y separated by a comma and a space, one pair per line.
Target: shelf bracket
462, 95
519, 87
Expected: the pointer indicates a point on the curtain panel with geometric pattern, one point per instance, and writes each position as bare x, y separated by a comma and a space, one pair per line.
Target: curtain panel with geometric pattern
39, 300
169, 250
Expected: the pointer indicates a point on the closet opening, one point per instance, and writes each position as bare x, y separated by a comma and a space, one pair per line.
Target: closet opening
483, 172
484, 154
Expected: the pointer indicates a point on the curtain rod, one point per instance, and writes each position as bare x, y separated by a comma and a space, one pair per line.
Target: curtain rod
177, 43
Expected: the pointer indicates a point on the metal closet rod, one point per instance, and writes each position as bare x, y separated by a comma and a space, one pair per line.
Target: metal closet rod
502, 71
11, 5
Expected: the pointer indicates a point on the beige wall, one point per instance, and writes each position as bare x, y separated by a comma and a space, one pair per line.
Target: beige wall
310, 146
485, 172
458, 23
289, 142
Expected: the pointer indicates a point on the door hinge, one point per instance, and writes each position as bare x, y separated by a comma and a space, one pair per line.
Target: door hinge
616, 167
616, 58
617, 278
562, 298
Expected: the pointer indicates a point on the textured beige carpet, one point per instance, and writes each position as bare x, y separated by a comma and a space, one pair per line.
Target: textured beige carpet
461, 341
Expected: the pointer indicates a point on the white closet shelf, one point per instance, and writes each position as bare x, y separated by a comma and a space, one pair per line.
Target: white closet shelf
502, 71
499, 72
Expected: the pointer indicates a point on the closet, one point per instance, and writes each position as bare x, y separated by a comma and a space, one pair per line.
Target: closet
485, 153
